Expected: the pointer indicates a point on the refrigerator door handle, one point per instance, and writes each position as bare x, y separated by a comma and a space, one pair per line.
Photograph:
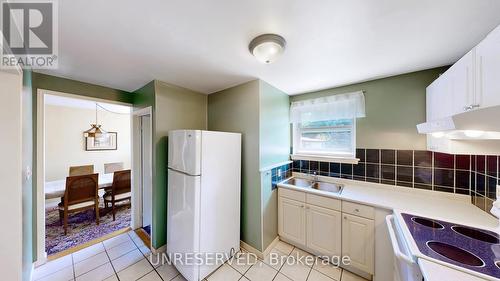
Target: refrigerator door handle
184, 173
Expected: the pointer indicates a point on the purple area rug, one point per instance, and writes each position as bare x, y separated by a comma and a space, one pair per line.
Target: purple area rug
82, 227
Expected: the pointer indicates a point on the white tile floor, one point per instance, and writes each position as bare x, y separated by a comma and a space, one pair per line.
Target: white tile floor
125, 257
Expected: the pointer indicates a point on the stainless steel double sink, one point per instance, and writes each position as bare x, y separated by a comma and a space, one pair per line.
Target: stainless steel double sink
318, 185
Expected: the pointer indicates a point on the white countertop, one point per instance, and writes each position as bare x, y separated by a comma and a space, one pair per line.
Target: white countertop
438, 205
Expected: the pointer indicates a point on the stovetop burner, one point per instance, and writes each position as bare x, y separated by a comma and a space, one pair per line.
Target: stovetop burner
471, 248
476, 234
455, 253
427, 222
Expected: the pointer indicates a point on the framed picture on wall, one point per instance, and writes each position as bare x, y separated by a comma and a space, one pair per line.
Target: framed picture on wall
107, 141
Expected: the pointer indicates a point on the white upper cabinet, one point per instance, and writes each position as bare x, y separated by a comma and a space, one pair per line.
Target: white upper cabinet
471, 83
461, 80
488, 70
437, 104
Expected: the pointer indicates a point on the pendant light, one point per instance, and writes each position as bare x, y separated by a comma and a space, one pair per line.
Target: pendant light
95, 130
267, 47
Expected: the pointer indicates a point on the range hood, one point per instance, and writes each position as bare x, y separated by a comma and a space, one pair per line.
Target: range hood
479, 124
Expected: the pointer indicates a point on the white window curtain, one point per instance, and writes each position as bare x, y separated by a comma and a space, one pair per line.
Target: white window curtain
342, 106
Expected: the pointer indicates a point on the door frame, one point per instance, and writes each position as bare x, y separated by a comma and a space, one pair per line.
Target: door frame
41, 255
137, 163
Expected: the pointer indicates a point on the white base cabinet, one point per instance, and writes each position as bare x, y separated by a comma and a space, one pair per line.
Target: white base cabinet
328, 227
324, 230
292, 220
358, 242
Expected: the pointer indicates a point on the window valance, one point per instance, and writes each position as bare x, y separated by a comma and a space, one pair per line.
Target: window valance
342, 106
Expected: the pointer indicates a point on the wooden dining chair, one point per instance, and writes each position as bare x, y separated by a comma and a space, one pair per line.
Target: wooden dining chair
113, 167
81, 194
81, 170
120, 190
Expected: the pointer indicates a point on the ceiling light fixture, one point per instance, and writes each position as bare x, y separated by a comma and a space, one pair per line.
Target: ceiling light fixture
267, 47
95, 130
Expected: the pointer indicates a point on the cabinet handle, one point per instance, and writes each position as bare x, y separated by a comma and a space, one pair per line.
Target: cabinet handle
302, 206
471, 107
345, 217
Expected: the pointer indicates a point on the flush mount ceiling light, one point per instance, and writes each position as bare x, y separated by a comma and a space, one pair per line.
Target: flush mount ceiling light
267, 47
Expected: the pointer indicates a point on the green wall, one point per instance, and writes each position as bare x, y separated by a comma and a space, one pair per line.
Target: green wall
260, 112
59, 84
237, 110
274, 148
175, 108
274, 136
27, 188
394, 106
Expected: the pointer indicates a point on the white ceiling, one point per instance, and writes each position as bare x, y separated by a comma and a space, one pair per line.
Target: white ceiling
203, 45
85, 104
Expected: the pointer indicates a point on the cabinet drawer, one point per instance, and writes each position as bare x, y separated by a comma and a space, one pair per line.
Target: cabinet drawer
292, 194
325, 202
358, 210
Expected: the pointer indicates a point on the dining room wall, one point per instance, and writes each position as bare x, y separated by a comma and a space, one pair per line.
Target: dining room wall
65, 144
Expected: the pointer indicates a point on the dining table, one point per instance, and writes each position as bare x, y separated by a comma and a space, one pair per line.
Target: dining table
56, 188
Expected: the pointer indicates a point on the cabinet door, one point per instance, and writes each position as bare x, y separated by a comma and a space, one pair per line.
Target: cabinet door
462, 85
358, 242
438, 97
292, 220
488, 69
324, 230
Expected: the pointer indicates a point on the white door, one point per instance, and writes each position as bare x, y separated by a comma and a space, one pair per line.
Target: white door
358, 242
146, 171
183, 221
324, 230
292, 220
184, 151
488, 69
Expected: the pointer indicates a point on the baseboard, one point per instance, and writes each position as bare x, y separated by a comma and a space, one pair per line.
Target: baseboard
161, 250
271, 246
258, 253
252, 250
41, 260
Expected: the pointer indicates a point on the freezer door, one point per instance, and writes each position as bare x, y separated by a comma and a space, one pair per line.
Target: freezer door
183, 217
184, 151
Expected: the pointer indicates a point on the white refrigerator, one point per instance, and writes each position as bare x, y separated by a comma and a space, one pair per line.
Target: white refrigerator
203, 212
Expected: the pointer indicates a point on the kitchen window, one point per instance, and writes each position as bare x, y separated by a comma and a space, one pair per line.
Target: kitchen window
326, 127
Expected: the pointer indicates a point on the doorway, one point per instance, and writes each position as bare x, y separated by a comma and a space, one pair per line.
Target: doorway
142, 135
146, 169
49, 171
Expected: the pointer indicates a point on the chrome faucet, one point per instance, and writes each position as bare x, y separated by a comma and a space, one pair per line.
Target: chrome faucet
315, 176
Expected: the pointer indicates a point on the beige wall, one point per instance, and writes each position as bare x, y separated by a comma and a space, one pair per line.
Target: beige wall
65, 145
394, 106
